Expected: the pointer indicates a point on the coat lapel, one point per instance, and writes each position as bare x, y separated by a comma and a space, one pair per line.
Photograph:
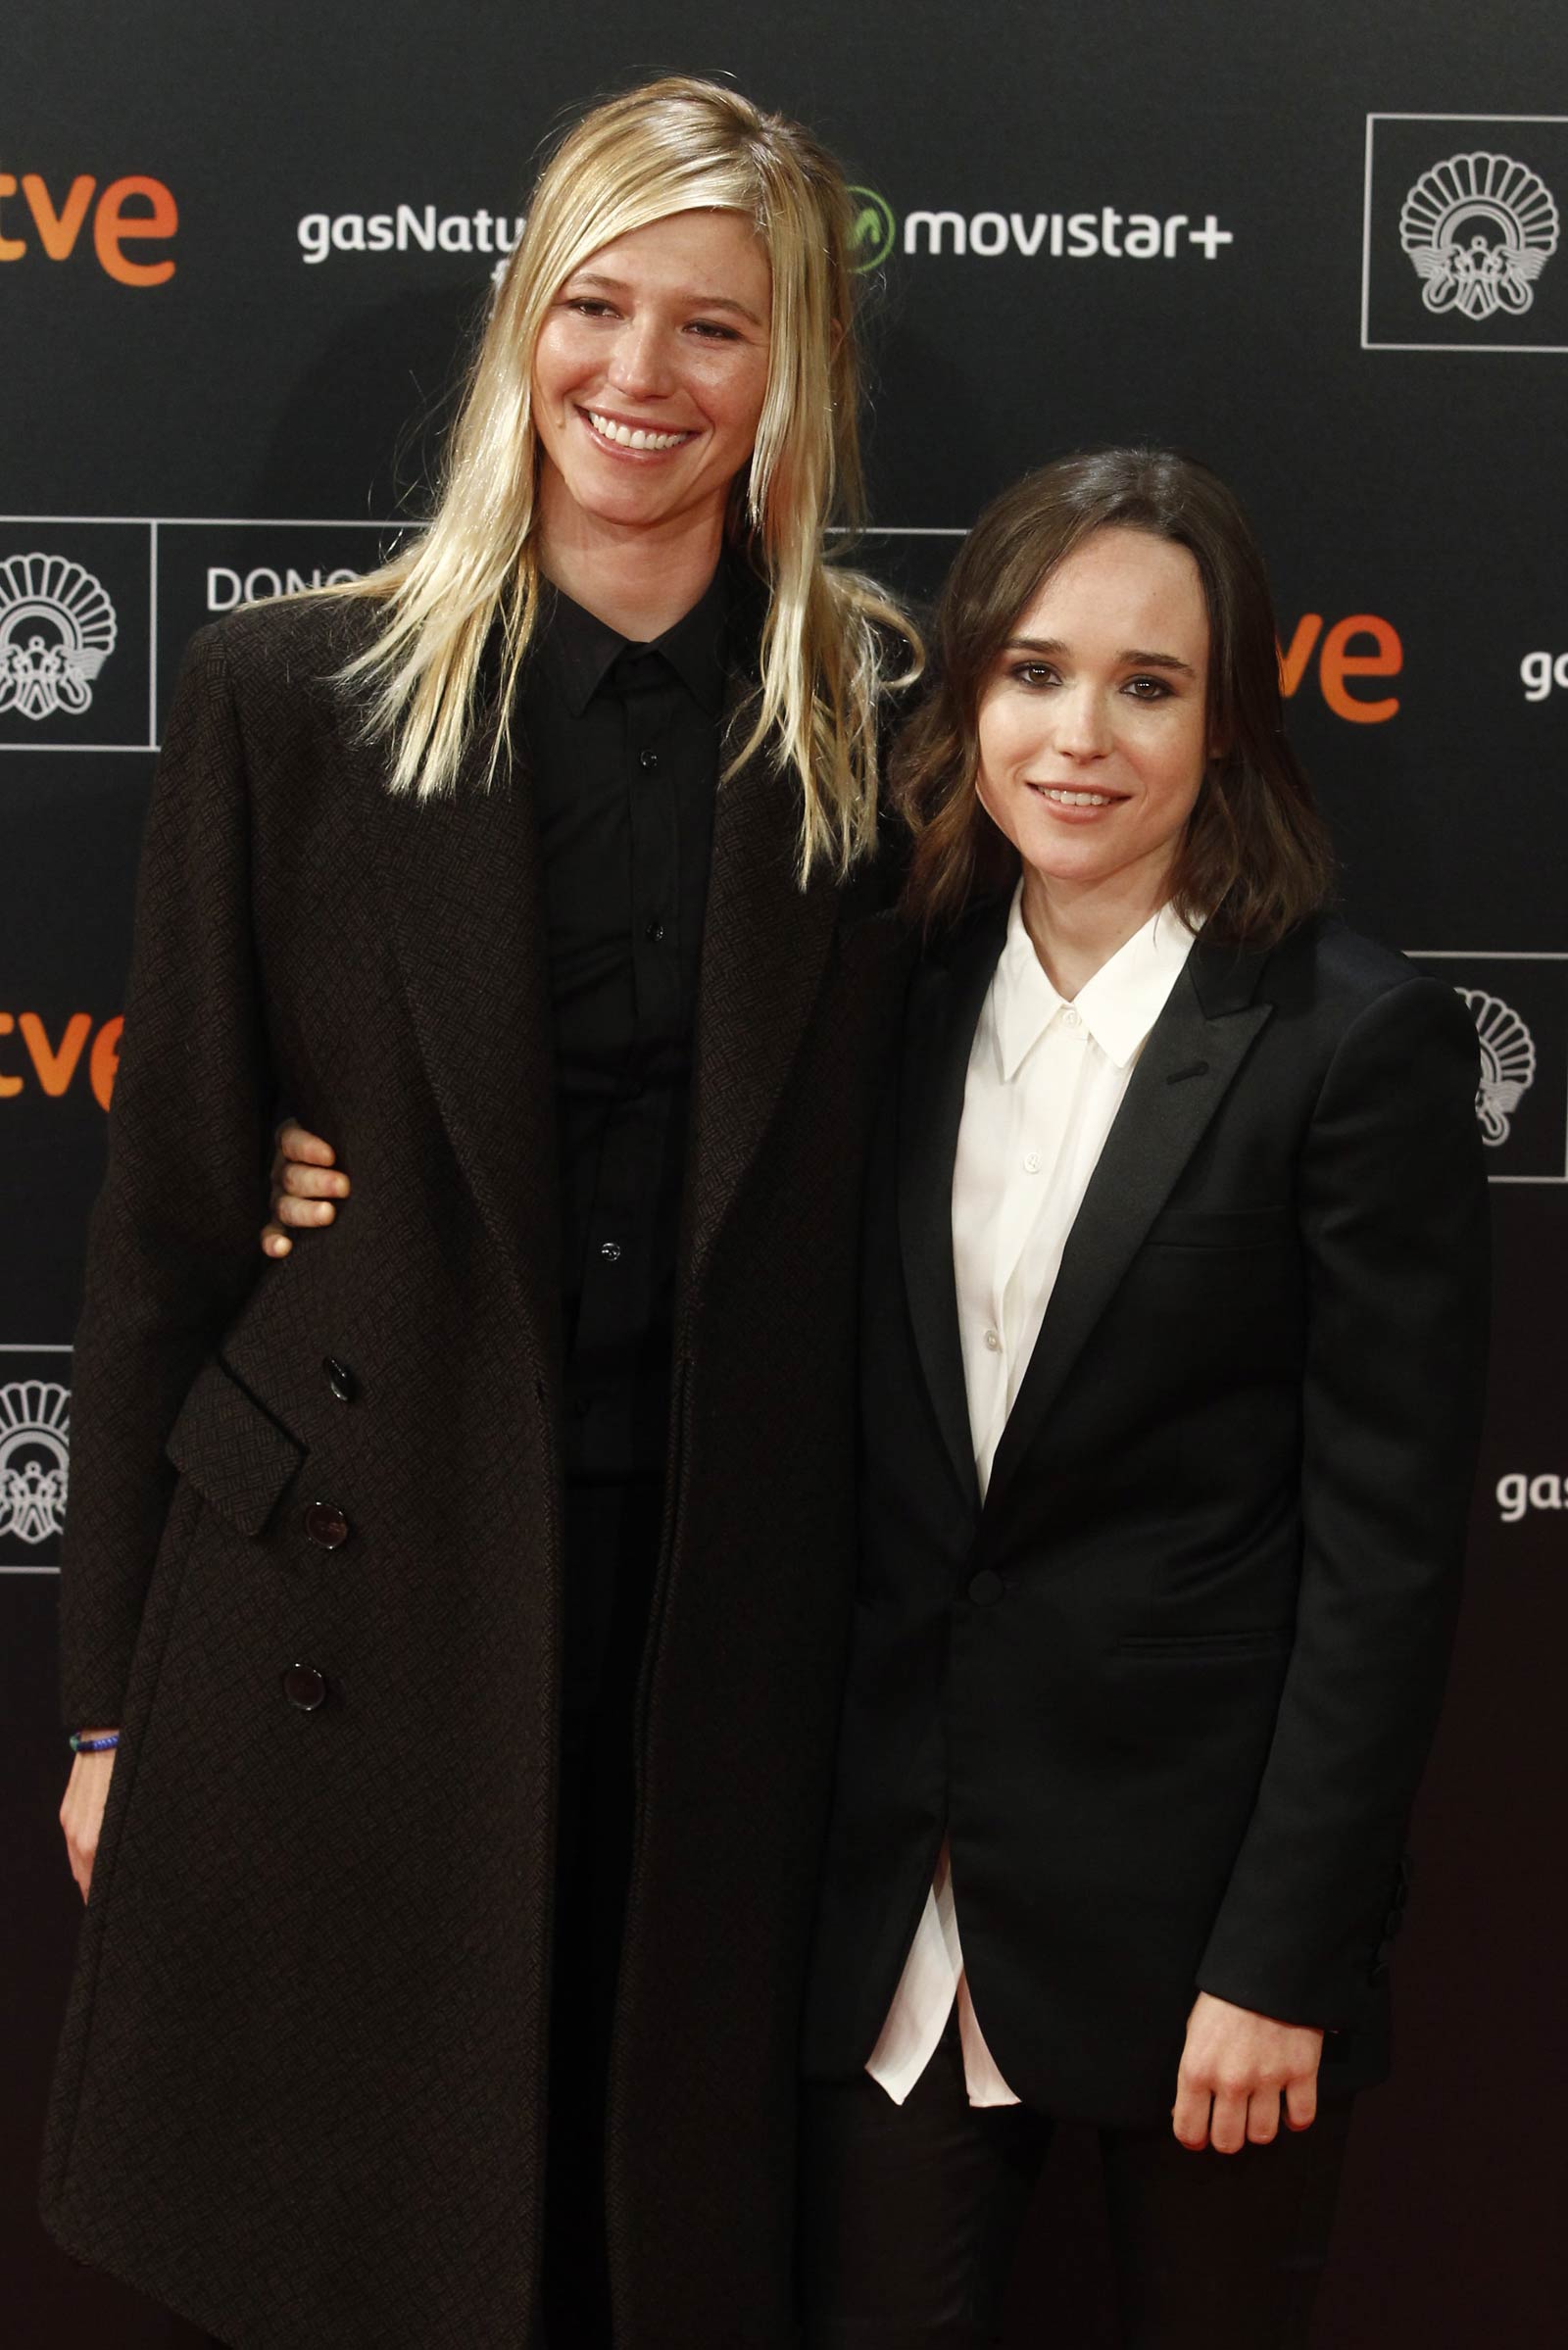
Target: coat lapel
765, 948
463, 898
939, 1031
1194, 1051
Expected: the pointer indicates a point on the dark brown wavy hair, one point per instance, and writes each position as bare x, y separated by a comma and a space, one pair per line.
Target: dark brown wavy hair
1254, 859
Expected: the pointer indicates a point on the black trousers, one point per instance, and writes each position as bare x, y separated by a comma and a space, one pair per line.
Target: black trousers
612, 1555
912, 2215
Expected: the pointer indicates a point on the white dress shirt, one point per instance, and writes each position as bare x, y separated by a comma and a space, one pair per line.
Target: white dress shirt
1046, 1080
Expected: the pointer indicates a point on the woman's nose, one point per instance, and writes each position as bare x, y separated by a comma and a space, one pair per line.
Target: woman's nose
639, 365
1082, 728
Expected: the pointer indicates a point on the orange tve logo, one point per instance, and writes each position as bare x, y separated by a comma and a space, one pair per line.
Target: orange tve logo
1377, 653
50, 1064
130, 211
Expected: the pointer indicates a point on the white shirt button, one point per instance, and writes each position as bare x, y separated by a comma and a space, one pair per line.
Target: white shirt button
1070, 1017
993, 1342
1031, 1162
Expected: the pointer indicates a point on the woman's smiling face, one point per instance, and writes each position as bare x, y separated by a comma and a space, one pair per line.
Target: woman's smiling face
650, 374
1093, 730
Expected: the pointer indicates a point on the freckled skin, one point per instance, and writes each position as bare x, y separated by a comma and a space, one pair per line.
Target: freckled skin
1069, 707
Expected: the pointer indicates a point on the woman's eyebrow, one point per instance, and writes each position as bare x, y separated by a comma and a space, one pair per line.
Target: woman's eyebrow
1130, 659
689, 301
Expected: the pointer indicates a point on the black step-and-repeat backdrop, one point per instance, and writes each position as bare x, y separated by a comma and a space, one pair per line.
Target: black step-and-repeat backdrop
240, 253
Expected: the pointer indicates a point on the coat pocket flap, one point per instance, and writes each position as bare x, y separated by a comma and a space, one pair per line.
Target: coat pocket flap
232, 1450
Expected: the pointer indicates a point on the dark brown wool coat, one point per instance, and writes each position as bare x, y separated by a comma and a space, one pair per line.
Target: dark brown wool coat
300, 2088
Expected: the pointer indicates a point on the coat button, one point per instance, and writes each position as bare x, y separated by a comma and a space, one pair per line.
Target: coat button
339, 1378
305, 1689
327, 1525
986, 1587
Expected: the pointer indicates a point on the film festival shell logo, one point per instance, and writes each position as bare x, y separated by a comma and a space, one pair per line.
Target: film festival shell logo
1479, 230
34, 1459
1507, 1062
57, 629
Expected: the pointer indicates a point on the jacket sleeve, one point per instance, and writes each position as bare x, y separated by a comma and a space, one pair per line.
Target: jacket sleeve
172, 1245
1394, 1224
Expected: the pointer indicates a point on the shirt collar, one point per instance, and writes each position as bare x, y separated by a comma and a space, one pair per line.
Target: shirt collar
1118, 1006
585, 649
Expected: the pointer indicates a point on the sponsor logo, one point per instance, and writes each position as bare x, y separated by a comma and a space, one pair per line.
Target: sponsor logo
1519, 1492
407, 227
54, 1067
875, 231
1479, 229
1507, 1062
34, 1461
135, 211
57, 629
1362, 646
1538, 672
1065, 236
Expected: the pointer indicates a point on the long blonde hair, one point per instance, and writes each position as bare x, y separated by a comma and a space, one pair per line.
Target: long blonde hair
832, 639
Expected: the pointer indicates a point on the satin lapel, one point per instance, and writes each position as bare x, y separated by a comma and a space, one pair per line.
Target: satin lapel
765, 944
462, 890
939, 1029
1182, 1076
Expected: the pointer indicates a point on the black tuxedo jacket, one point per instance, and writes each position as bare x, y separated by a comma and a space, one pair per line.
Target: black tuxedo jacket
1168, 1692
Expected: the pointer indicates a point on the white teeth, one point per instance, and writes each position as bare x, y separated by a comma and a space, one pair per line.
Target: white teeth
627, 436
1077, 799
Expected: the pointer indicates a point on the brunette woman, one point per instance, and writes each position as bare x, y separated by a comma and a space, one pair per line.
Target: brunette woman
1172, 1307
447, 1587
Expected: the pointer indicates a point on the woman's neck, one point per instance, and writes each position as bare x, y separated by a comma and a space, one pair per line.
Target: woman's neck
1076, 930
639, 581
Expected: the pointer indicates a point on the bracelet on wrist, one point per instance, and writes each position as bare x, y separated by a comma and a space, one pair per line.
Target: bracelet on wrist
101, 1746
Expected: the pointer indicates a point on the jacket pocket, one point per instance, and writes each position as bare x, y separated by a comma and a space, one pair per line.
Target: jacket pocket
1221, 1228
231, 1449
1255, 1641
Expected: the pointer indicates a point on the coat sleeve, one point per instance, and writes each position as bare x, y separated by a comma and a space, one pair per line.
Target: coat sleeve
172, 1245
1394, 1223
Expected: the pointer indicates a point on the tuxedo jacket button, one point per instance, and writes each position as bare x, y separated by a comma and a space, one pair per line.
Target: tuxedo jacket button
986, 1587
339, 1378
305, 1689
326, 1524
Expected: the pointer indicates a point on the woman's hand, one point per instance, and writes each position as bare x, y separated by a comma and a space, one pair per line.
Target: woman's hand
1243, 2063
82, 1814
305, 1184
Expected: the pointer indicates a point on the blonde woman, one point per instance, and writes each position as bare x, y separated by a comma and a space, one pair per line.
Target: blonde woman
457, 1647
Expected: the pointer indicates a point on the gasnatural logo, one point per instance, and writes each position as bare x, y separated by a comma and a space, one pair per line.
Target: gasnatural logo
1519, 1491
1479, 229
1507, 1062
34, 1459
419, 227
57, 629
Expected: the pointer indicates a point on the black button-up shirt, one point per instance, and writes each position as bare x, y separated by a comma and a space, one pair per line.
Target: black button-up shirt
622, 744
